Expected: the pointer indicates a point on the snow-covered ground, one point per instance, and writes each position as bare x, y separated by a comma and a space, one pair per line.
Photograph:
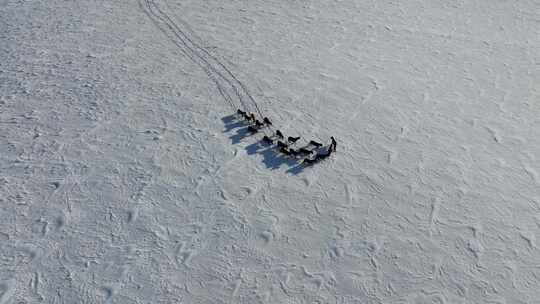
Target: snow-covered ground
123, 178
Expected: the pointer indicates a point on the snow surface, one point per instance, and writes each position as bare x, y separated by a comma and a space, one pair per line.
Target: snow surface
123, 178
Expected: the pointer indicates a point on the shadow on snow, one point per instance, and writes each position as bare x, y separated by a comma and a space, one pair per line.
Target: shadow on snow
272, 159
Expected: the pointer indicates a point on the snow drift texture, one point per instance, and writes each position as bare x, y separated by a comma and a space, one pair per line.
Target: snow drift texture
121, 183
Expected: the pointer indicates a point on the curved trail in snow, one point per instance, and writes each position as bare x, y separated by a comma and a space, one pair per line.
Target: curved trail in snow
234, 91
225, 80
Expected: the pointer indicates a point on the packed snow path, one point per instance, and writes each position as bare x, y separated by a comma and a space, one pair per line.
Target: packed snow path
118, 183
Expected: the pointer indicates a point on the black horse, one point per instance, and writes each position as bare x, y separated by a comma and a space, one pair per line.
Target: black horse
267, 121
285, 151
314, 143
322, 156
333, 144
293, 139
309, 161
281, 144
252, 117
240, 112
305, 151
252, 129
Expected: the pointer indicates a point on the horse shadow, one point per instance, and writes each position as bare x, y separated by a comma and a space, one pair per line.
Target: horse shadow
240, 128
295, 170
272, 158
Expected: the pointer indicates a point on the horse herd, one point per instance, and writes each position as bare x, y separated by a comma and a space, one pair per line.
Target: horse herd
311, 153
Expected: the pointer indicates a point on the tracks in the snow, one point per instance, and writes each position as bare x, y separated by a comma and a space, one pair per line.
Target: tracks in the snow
229, 86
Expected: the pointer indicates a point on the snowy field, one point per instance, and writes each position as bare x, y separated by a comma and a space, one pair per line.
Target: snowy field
124, 179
